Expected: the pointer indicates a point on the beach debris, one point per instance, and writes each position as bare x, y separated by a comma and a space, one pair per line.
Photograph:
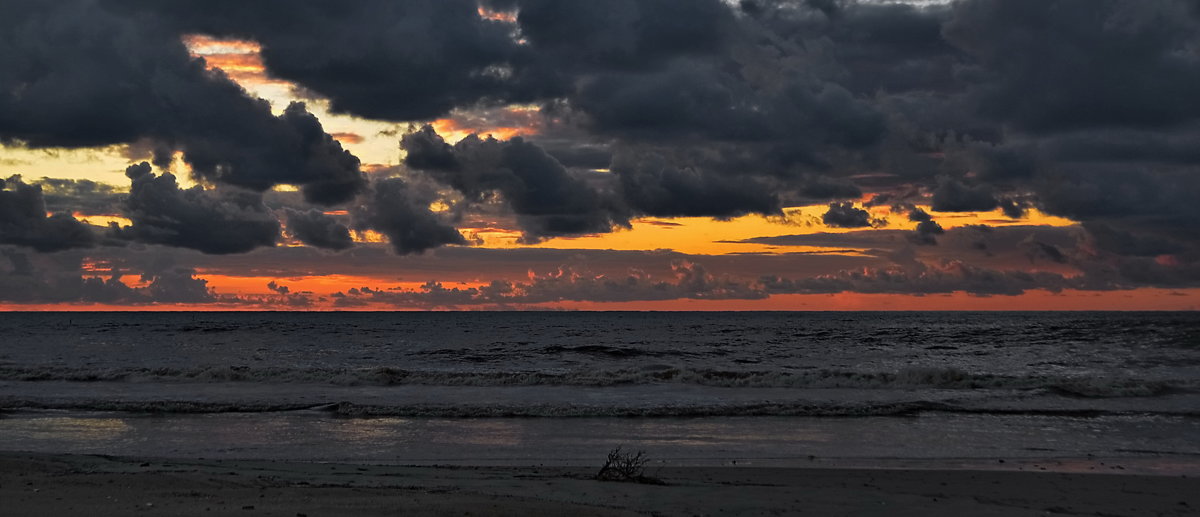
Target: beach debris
626, 467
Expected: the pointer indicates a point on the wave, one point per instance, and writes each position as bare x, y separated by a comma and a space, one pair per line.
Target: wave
907, 378
349, 409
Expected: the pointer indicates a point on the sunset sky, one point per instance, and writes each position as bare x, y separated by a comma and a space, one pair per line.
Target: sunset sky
626, 154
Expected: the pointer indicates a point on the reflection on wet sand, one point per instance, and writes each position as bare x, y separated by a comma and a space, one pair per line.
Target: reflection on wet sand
81, 430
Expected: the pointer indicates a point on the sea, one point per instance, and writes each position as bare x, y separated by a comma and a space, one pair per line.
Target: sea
1066, 391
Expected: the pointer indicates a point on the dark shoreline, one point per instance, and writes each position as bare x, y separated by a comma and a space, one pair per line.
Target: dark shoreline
53, 484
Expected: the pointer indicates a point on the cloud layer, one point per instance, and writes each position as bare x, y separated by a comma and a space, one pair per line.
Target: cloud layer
1083, 109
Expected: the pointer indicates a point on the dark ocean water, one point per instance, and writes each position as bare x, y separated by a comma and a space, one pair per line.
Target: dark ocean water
497, 386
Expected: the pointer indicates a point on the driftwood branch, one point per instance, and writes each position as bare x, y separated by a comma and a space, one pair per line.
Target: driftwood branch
626, 467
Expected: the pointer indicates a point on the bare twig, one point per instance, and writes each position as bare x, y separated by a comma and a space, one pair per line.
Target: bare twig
627, 467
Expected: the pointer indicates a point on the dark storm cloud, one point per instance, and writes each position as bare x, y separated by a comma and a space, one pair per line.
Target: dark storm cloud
825, 188
1005, 162
1131, 210
23, 220
381, 59
621, 34
1063, 250
177, 285
1097, 98
22, 282
1095, 105
1071, 64
549, 201
1134, 244
365, 55
547, 198
317, 229
799, 123
80, 195
685, 280
663, 68
1040, 250
259, 151
952, 195
845, 215
1122, 145
927, 229
699, 73
652, 184
949, 268
42, 279
946, 277
1078, 108
872, 47
1012, 208
1119, 272
645, 68
221, 221
401, 211
575, 155
78, 74
427, 150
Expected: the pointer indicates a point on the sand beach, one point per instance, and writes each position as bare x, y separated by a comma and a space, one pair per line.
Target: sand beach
44, 484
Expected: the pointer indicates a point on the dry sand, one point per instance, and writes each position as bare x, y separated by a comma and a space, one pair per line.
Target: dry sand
41, 485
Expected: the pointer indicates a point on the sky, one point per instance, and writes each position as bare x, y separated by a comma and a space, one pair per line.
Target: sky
618, 155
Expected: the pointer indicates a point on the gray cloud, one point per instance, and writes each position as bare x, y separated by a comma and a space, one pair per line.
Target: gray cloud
80, 195
548, 199
34, 279
400, 210
926, 229
946, 277
222, 221
1081, 63
79, 74
845, 215
952, 195
1078, 108
317, 229
652, 184
824, 188
686, 280
23, 220
459, 58
621, 34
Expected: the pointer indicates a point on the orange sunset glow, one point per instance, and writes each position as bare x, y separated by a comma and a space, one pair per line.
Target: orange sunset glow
489, 14
454, 130
240, 59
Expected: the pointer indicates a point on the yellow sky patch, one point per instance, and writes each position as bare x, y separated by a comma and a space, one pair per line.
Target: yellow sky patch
103, 219
453, 130
102, 164
706, 236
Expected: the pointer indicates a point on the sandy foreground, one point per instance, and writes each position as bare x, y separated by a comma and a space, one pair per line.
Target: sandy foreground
41, 485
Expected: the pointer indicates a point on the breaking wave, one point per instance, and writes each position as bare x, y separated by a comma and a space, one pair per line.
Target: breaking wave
914, 378
349, 409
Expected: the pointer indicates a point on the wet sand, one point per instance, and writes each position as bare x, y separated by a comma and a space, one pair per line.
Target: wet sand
43, 484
